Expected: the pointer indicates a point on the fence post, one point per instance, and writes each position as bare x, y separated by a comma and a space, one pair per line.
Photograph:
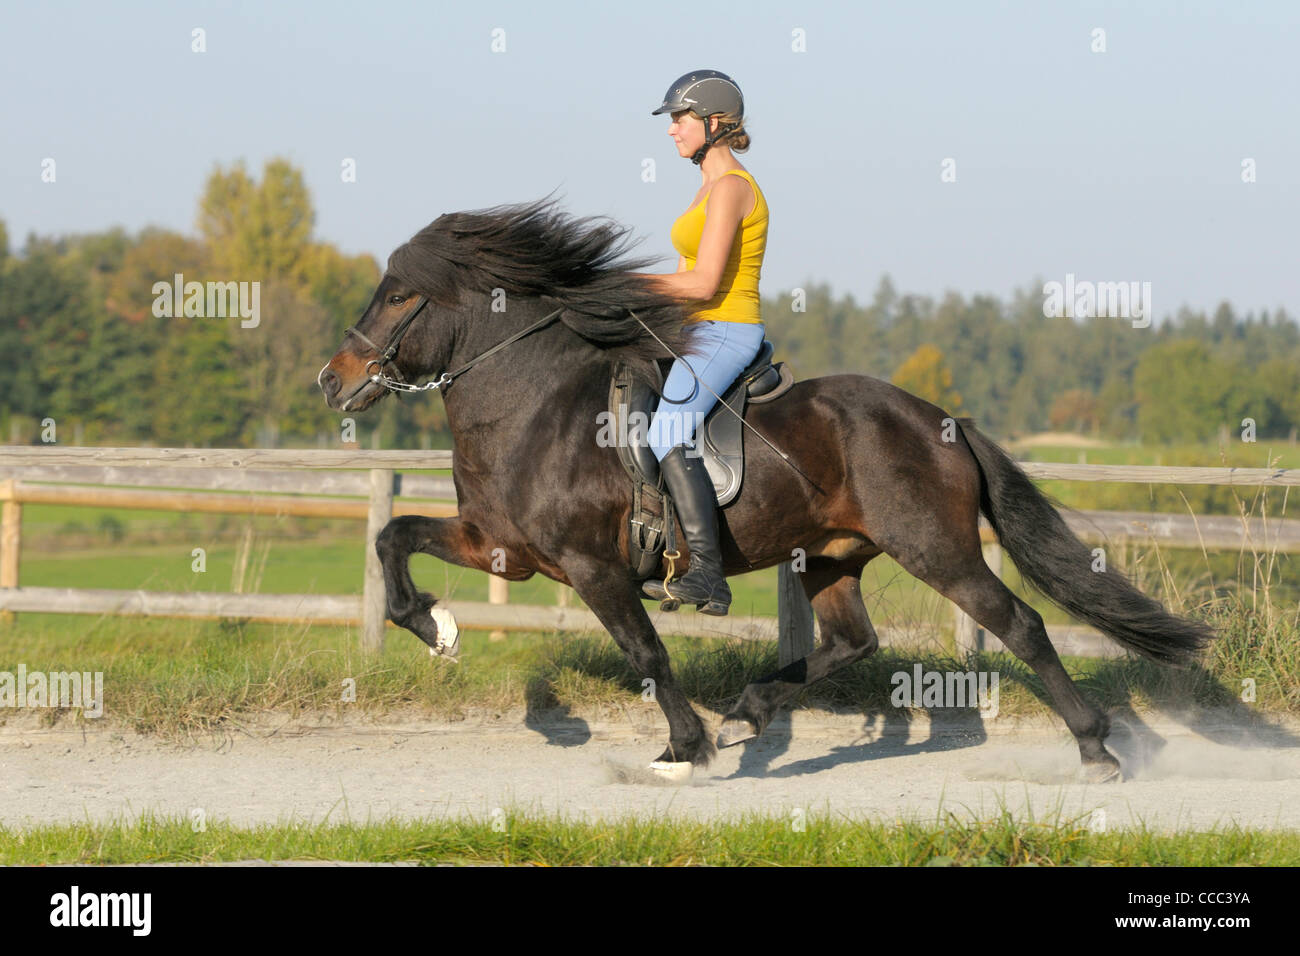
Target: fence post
968, 635
966, 632
794, 639
374, 608
993, 558
498, 593
11, 531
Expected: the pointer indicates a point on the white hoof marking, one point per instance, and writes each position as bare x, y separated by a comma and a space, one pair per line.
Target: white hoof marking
675, 771
448, 640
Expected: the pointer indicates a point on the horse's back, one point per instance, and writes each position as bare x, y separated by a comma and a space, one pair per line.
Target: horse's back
866, 457
861, 401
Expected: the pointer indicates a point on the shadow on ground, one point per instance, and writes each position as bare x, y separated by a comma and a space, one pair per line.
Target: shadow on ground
1134, 693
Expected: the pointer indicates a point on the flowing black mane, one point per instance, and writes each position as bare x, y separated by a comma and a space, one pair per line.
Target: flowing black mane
535, 250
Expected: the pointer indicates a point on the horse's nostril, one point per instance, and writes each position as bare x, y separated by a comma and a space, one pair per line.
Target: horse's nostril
329, 382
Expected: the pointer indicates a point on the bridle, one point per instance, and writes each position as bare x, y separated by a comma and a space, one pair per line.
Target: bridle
386, 355
389, 352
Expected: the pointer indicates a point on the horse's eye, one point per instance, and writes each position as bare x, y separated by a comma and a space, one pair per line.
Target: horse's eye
396, 299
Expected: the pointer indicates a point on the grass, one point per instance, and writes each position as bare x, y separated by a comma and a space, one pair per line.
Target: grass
184, 678
814, 839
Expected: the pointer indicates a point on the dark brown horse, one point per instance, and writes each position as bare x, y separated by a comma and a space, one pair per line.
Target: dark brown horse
884, 471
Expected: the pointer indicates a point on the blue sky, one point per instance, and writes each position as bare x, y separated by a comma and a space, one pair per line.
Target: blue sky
1122, 165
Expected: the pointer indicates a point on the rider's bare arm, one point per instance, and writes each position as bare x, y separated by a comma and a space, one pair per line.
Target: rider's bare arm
728, 200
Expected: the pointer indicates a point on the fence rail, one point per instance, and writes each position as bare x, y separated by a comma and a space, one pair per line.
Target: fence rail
1162, 474
13, 455
273, 482
313, 458
354, 483
347, 609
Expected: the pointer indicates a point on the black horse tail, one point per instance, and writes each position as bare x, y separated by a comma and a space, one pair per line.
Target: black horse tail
1050, 556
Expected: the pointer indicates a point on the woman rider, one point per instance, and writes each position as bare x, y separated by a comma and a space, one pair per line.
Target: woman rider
721, 239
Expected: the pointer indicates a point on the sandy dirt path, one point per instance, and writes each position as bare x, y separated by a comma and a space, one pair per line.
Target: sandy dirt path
1178, 775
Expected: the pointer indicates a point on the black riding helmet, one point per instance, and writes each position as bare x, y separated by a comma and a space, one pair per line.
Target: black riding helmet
704, 93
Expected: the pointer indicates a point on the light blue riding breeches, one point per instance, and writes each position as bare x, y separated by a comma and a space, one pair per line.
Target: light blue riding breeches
728, 348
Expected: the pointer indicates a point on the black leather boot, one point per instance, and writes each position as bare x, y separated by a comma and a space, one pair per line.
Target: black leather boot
704, 584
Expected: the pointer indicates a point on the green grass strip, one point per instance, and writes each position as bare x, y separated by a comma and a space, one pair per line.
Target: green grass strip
518, 839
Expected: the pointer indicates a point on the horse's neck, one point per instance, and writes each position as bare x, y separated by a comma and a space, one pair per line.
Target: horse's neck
534, 390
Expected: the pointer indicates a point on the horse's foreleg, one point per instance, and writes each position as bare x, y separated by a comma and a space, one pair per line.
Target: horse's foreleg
449, 539
612, 595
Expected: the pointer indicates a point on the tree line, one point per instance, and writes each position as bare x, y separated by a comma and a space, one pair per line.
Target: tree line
1017, 371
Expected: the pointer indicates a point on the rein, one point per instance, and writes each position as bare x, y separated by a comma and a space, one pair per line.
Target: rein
400, 384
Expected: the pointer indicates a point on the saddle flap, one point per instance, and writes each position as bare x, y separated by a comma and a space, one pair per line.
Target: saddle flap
723, 434
632, 400
721, 442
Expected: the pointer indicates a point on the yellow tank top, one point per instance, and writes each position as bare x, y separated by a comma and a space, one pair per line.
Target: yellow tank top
737, 297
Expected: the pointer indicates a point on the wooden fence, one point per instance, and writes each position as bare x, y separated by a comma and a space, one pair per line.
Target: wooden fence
297, 483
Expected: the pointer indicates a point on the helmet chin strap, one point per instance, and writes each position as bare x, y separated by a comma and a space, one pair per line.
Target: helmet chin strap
710, 139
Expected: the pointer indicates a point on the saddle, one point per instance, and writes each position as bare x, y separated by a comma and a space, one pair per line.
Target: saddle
720, 442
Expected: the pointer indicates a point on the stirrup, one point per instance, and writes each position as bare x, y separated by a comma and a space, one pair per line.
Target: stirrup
709, 605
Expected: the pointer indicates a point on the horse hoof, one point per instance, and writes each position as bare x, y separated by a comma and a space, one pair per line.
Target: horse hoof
735, 731
678, 771
1101, 771
447, 643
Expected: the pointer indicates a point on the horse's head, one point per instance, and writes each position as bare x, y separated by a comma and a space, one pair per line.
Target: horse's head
394, 339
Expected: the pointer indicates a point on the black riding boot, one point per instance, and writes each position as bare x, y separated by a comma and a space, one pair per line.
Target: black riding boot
704, 584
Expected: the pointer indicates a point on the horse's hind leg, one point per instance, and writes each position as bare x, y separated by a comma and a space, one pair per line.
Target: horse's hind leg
846, 636
967, 581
